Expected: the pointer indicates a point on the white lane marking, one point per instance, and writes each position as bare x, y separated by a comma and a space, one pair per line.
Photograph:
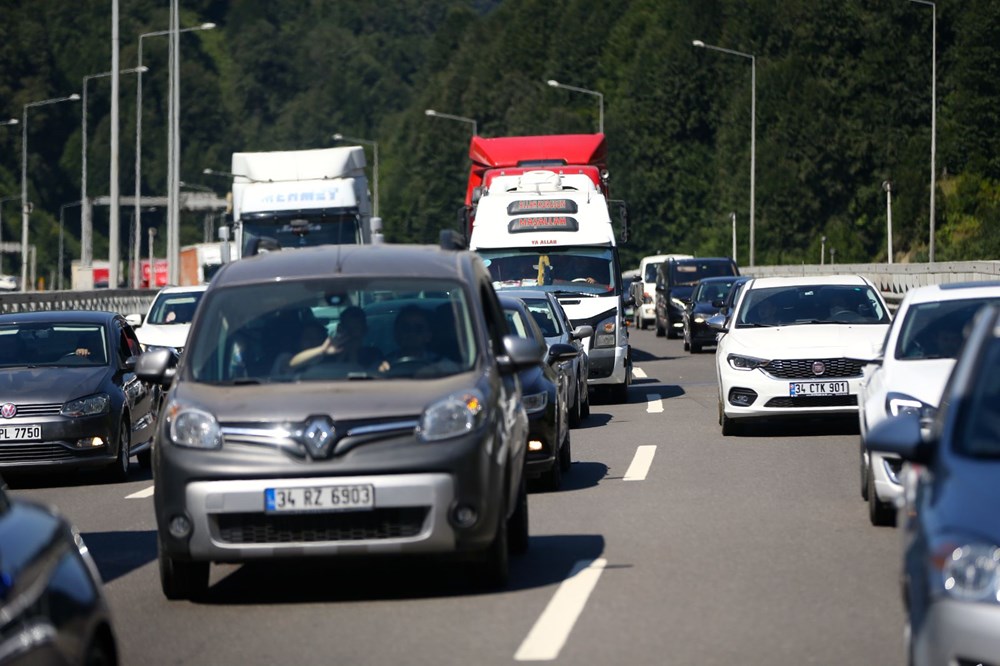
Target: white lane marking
638, 373
145, 492
654, 405
640, 463
554, 625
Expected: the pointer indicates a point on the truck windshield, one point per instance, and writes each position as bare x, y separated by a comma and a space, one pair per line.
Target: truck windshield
586, 270
287, 232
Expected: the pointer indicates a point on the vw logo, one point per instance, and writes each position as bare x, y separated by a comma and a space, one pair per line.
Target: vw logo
8, 410
818, 368
319, 436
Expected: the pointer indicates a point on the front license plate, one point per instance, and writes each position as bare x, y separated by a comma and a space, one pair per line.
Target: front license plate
319, 498
25, 433
796, 389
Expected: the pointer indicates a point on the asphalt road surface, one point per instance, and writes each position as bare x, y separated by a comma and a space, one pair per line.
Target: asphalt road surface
668, 544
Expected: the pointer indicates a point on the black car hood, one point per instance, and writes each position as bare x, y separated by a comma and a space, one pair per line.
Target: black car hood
49, 384
704, 308
294, 402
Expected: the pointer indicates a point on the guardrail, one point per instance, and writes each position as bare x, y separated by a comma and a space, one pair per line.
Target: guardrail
125, 301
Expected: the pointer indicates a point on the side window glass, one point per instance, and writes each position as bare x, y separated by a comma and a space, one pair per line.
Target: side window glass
123, 348
496, 326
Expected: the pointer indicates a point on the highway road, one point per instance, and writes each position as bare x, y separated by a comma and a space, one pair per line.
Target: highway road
668, 544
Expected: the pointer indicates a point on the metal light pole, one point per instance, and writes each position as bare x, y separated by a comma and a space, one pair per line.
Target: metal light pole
438, 114
86, 213
887, 186
733, 215
25, 206
930, 254
152, 264
374, 144
822, 250
62, 210
753, 127
138, 140
556, 84
2, 202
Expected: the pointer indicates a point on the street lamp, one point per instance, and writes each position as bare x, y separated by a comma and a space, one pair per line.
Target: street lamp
374, 144
753, 127
930, 254
887, 186
438, 114
556, 84
25, 206
62, 210
137, 212
86, 218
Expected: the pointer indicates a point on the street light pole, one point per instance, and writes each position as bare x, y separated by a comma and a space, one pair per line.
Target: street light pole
887, 186
86, 214
2, 202
437, 114
62, 210
25, 207
733, 215
930, 256
753, 128
822, 250
137, 210
374, 144
556, 84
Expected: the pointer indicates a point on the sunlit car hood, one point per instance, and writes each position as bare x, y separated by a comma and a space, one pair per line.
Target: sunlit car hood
812, 340
922, 379
361, 399
163, 335
50, 384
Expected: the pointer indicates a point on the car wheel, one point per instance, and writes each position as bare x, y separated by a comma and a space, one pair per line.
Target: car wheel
695, 348
118, 471
517, 524
145, 459
566, 454
585, 407
181, 579
729, 426
493, 569
619, 393
575, 410
881, 514
660, 331
863, 468
552, 477
643, 324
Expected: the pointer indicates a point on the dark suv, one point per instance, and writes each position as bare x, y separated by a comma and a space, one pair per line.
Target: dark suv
675, 280
342, 401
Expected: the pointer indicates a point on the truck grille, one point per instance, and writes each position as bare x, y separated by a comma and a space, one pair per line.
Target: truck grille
391, 523
815, 401
835, 368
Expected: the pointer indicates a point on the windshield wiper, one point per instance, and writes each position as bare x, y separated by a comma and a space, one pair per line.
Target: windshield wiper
569, 292
756, 325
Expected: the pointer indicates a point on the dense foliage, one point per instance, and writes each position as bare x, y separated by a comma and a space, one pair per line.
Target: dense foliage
843, 103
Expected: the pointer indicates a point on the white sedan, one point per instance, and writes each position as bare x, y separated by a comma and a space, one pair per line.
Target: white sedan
169, 317
920, 350
796, 347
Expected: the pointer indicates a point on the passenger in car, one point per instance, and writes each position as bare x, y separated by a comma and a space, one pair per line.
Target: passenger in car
414, 334
347, 346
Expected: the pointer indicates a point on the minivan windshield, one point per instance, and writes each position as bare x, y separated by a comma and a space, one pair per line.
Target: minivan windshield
338, 329
582, 270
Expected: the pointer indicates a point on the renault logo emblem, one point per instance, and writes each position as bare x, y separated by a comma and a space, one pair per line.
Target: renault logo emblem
319, 436
818, 368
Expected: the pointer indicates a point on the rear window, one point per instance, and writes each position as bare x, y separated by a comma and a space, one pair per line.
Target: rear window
688, 272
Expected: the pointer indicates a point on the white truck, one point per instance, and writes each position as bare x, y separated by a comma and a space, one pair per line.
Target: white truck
299, 198
545, 230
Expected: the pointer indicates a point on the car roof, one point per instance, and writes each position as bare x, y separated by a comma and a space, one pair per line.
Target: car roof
809, 280
955, 291
526, 293
60, 317
182, 289
382, 260
720, 278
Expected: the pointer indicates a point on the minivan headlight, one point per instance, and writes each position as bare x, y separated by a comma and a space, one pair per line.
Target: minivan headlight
606, 333
194, 428
91, 405
455, 415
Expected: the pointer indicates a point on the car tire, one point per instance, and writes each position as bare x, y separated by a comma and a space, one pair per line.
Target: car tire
552, 477
183, 579
729, 426
145, 459
575, 410
619, 393
863, 470
493, 569
660, 331
101, 650
517, 524
695, 348
881, 514
118, 470
585, 407
687, 345
566, 454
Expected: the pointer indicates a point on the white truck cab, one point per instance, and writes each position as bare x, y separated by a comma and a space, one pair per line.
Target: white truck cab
553, 232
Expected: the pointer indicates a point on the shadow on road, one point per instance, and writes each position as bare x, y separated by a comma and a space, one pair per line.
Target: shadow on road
68, 479
596, 419
846, 424
548, 560
583, 474
120, 553
641, 356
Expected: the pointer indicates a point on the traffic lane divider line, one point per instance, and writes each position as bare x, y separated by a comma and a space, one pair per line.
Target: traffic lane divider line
550, 632
640, 463
145, 492
638, 373
654, 403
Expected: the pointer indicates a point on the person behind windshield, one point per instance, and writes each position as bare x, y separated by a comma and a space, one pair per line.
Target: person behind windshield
765, 312
413, 333
347, 346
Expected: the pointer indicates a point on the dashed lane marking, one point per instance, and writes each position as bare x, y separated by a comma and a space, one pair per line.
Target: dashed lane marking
145, 492
640, 463
638, 373
654, 403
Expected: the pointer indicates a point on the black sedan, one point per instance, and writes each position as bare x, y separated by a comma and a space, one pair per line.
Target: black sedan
707, 300
69, 396
544, 391
949, 518
52, 608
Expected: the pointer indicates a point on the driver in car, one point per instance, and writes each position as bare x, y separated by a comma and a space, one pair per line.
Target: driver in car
347, 346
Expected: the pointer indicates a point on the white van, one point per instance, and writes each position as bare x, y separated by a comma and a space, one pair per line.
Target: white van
646, 310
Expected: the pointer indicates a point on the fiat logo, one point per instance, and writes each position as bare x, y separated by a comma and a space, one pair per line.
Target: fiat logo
818, 368
8, 410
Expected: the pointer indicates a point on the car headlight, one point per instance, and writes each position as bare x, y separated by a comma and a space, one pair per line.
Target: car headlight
900, 403
193, 428
970, 572
738, 362
92, 405
605, 333
535, 402
699, 319
452, 416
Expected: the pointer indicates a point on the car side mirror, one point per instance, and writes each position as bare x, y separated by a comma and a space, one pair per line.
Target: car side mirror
129, 363
157, 366
901, 435
519, 354
560, 351
717, 323
718, 303
582, 332
134, 320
